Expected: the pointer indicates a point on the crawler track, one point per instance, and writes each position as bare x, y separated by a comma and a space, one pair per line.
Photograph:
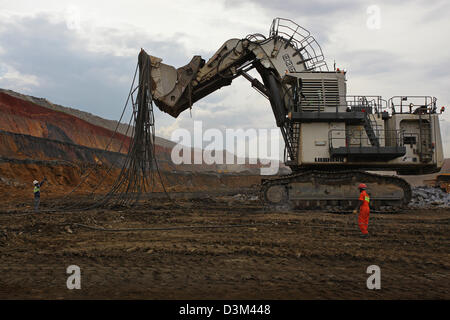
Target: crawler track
333, 191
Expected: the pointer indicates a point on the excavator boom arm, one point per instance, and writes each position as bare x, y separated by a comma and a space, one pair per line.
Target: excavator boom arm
175, 90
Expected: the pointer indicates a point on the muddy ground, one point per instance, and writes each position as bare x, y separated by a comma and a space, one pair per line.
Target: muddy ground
253, 254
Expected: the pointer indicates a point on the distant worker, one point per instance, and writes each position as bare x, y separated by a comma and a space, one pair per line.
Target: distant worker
37, 193
364, 210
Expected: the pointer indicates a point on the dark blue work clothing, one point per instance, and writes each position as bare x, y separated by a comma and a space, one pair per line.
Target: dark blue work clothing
37, 200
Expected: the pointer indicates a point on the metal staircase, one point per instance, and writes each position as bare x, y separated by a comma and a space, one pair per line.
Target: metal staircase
291, 135
369, 125
425, 146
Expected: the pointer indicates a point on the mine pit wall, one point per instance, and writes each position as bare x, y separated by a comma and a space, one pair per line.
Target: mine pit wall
37, 117
24, 117
86, 116
21, 146
25, 158
17, 176
37, 140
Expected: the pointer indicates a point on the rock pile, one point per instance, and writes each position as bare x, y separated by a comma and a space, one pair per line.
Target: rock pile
429, 197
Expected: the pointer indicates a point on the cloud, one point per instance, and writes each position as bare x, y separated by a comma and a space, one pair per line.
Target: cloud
57, 63
84, 55
294, 7
94, 73
10, 77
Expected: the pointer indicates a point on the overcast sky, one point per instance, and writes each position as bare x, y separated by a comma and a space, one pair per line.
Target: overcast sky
82, 54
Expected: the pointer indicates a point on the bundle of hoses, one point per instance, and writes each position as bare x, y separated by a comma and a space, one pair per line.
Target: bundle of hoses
140, 171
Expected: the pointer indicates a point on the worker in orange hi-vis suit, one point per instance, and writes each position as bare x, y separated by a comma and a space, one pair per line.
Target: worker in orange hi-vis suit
364, 210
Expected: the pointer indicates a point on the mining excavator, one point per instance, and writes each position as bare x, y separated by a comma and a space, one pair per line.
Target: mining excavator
331, 139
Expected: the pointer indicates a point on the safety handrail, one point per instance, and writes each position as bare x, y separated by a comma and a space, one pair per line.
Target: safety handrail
368, 104
412, 104
391, 138
303, 42
378, 105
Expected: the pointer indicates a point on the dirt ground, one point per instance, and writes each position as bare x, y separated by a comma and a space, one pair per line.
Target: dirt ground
252, 254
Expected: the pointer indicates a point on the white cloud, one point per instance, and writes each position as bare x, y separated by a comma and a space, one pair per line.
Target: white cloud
10, 78
73, 18
166, 131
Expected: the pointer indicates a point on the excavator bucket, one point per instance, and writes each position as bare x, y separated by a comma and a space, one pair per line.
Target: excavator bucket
170, 87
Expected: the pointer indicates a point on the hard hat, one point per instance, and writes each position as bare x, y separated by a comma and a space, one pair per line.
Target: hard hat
362, 186
35, 182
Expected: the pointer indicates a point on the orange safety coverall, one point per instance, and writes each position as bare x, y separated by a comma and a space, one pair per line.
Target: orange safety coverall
364, 210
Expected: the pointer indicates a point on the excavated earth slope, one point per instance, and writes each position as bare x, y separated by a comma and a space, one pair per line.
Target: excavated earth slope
24, 117
37, 140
